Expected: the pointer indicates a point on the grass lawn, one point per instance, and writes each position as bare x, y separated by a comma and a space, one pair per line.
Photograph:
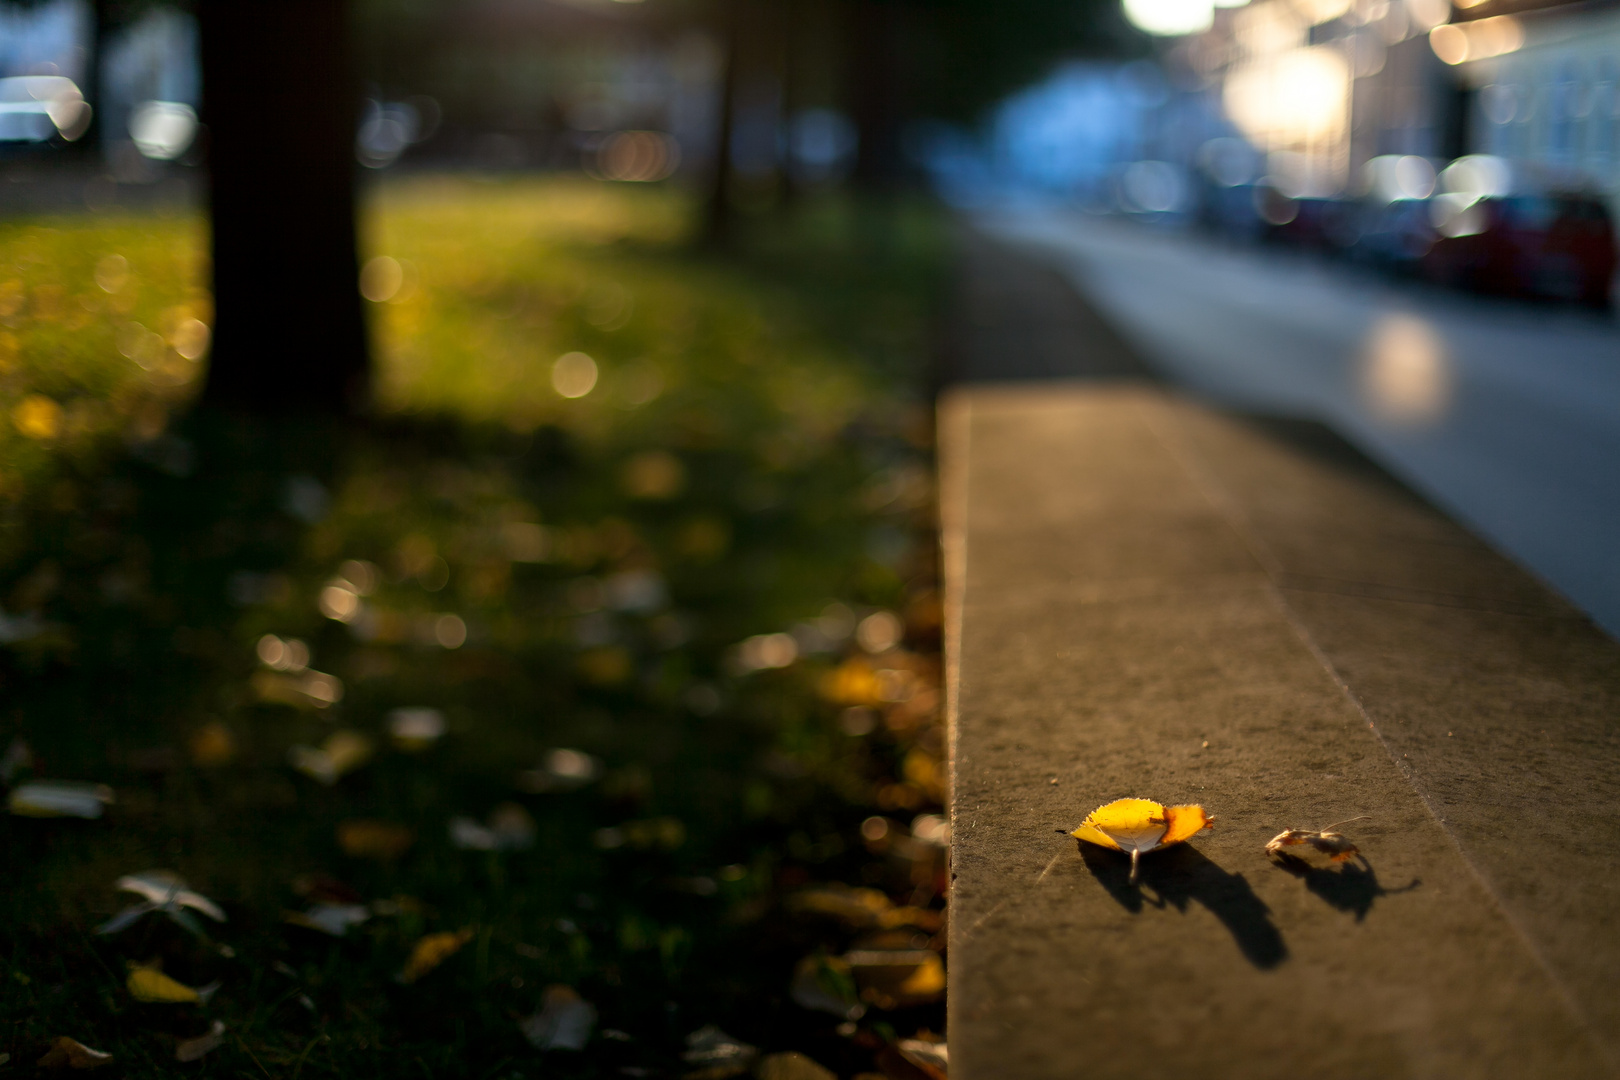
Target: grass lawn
583, 698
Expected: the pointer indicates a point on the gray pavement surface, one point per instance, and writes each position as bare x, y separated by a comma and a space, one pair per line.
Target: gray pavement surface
1505, 413
1150, 597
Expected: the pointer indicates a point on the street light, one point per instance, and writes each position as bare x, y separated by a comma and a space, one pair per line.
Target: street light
1173, 18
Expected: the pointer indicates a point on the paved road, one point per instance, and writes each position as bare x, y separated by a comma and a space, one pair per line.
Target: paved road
1505, 414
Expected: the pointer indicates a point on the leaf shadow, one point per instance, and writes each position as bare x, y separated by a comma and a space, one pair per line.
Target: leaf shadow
1176, 875
1348, 886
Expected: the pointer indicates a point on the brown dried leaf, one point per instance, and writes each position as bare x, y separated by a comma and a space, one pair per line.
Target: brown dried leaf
66, 1053
365, 838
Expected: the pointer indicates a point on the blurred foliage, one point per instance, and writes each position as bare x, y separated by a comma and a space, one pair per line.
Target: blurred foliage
955, 58
682, 580
970, 54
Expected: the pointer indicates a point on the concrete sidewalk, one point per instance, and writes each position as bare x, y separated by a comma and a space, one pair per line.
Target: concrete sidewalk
1149, 598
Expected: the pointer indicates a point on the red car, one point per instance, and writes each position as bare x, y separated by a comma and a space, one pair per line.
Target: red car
1554, 244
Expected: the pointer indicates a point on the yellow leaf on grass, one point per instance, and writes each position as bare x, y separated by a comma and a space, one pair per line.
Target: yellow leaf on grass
364, 838
1136, 826
432, 951
212, 744
150, 985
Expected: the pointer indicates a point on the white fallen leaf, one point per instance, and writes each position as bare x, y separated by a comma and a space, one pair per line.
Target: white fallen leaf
333, 919
510, 828
165, 892
563, 770
564, 1021
342, 752
469, 835
415, 728
59, 798
202, 1045
169, 890
924, 1053
718, 1052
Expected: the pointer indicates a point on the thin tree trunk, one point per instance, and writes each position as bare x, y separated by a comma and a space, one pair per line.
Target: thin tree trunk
96, 140
718, 211
281, 109
873, 29
791, 38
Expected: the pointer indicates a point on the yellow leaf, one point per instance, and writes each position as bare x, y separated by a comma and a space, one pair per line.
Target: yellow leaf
432, 951
852, 683
212, 744
37, 417
363, 838
1137, 826
151, 985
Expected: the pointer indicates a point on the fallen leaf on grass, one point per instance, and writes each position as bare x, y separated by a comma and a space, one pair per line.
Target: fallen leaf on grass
165, 892
66, 1053
365, 838
510, 828
323, 889
665, 832
203, 1045
564, 770
432, 951
212, 744
1323, 842
896, 978
1137, 826
342, 752
717, 1054
305, 690
861, 909
931, 1057
59, 798
564, 1021
415, 729
793, 1066
148, 984
333, 919
825, 984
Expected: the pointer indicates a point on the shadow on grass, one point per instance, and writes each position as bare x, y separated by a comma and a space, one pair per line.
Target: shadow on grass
1177, 875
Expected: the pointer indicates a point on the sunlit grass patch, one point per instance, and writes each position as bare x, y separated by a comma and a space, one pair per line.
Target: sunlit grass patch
487, 288
103, 327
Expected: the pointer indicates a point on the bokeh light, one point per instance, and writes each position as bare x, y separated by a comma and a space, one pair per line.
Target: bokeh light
574, 375
1406, 374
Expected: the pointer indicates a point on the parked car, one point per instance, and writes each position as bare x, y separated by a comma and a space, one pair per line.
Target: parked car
1317, 223
1512, 230
1395, 236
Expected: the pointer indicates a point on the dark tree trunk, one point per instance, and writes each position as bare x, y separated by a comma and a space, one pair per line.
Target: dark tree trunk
873, 27
790, 41
718, 210
281, 109
96, 138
